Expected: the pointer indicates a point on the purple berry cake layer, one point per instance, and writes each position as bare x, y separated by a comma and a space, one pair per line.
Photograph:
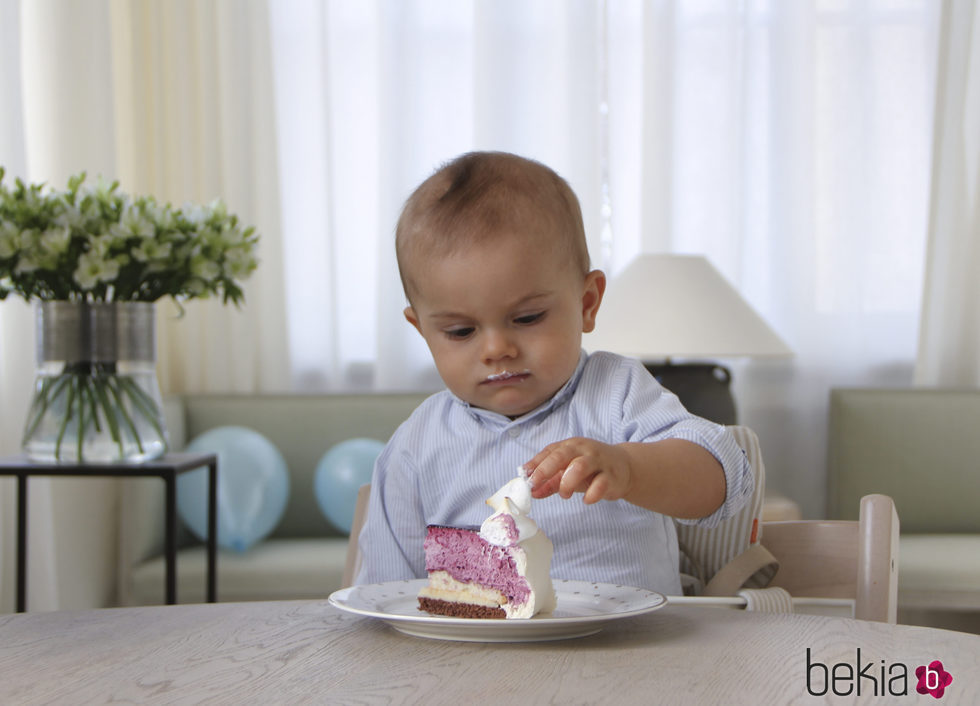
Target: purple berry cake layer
469, 558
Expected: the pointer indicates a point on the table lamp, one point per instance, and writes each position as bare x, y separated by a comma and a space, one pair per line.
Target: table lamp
664, 307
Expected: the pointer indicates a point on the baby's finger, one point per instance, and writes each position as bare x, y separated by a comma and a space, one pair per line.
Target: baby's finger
545, 465
577, 477
542, 455
548, 487
598, 488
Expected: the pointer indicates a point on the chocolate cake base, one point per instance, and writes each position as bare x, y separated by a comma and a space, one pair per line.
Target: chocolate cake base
460, 610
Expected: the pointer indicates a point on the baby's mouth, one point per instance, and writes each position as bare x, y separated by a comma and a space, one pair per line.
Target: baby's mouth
505, 376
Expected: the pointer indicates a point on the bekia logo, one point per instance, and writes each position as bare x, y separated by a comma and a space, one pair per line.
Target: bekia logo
878, 678
933, 679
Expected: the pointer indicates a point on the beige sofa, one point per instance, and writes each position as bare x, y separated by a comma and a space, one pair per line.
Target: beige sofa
304, 556
921, 446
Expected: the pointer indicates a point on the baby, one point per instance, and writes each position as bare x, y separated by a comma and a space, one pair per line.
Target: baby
493, 259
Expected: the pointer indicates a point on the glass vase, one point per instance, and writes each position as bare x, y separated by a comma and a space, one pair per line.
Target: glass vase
96, 395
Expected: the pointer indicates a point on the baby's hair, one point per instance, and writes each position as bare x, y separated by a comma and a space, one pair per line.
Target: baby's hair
479, 196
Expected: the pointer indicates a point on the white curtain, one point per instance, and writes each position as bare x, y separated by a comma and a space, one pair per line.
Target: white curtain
16, 359
949, 337
787, 141
192, 91
371, 98
55, 123
173, 99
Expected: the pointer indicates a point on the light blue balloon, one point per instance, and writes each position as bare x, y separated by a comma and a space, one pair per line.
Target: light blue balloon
342, 470
253, 487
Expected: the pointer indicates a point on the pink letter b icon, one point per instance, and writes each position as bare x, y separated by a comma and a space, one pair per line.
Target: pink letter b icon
933, 679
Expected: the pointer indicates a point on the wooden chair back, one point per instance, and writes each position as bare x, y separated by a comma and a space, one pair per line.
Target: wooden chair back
353, 562
841, 558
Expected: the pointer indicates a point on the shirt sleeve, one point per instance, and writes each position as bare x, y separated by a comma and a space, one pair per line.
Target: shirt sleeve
391, 539
650, 412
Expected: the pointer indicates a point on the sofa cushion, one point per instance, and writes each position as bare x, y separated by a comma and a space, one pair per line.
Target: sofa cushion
275, 569
939, 571
918, 445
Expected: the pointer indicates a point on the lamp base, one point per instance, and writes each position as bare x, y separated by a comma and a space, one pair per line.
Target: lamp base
703, 388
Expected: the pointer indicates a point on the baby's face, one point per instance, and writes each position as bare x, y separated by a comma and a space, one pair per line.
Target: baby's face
504, 322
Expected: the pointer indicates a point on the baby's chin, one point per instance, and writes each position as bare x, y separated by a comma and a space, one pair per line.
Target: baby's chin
508, 408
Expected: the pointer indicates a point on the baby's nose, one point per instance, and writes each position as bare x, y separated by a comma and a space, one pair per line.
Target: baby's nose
498, 345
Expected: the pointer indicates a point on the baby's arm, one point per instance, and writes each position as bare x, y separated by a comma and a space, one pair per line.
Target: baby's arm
674, 477
391, 540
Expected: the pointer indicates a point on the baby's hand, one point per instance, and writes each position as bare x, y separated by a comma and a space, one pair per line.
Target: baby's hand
601, 471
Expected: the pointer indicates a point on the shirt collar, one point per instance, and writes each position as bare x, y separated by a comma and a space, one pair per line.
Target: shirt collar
538, 413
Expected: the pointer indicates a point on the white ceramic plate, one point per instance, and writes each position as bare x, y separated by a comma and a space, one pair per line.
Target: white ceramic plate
584, 608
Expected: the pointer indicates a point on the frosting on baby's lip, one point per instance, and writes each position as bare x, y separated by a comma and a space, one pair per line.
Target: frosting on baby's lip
506, 375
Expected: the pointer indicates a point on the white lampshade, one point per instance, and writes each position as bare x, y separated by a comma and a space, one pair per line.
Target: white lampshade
679, 306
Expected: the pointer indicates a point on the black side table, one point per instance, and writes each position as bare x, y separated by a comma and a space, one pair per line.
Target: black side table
166, 467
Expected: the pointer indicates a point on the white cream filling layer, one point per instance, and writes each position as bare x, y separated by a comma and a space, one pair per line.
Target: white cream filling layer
444, 587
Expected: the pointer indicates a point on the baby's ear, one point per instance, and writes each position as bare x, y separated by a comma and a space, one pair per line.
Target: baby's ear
595, 286
412, 318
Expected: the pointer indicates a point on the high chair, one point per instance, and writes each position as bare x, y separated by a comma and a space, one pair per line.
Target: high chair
841, 558
802, 565
353, 563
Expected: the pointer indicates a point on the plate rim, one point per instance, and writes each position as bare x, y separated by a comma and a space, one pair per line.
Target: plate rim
656, 601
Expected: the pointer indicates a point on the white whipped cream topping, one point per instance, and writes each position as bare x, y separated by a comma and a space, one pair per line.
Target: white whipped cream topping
513, 499
505, 374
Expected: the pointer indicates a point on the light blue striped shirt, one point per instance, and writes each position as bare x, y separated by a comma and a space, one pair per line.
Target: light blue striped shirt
448, 457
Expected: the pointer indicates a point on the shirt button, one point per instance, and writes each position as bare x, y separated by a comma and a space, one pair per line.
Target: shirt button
514, 432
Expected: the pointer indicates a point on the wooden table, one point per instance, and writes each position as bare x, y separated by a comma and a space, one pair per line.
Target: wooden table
309, 652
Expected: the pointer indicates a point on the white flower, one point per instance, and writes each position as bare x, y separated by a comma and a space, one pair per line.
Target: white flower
233, 236
55, 241
28, 262
93, 269
91, 210
197, 288
218, 208
132, 222
195, 213
9, 240
161, 215
239, 263
99, 245
211, 238
70, 217
151, 250
101, 189
204, 268
29, 238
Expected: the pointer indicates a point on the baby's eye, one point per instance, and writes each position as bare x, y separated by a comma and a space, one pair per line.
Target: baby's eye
529, 318
459, 334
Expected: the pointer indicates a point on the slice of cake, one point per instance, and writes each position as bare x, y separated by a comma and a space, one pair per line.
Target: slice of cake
501, 570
